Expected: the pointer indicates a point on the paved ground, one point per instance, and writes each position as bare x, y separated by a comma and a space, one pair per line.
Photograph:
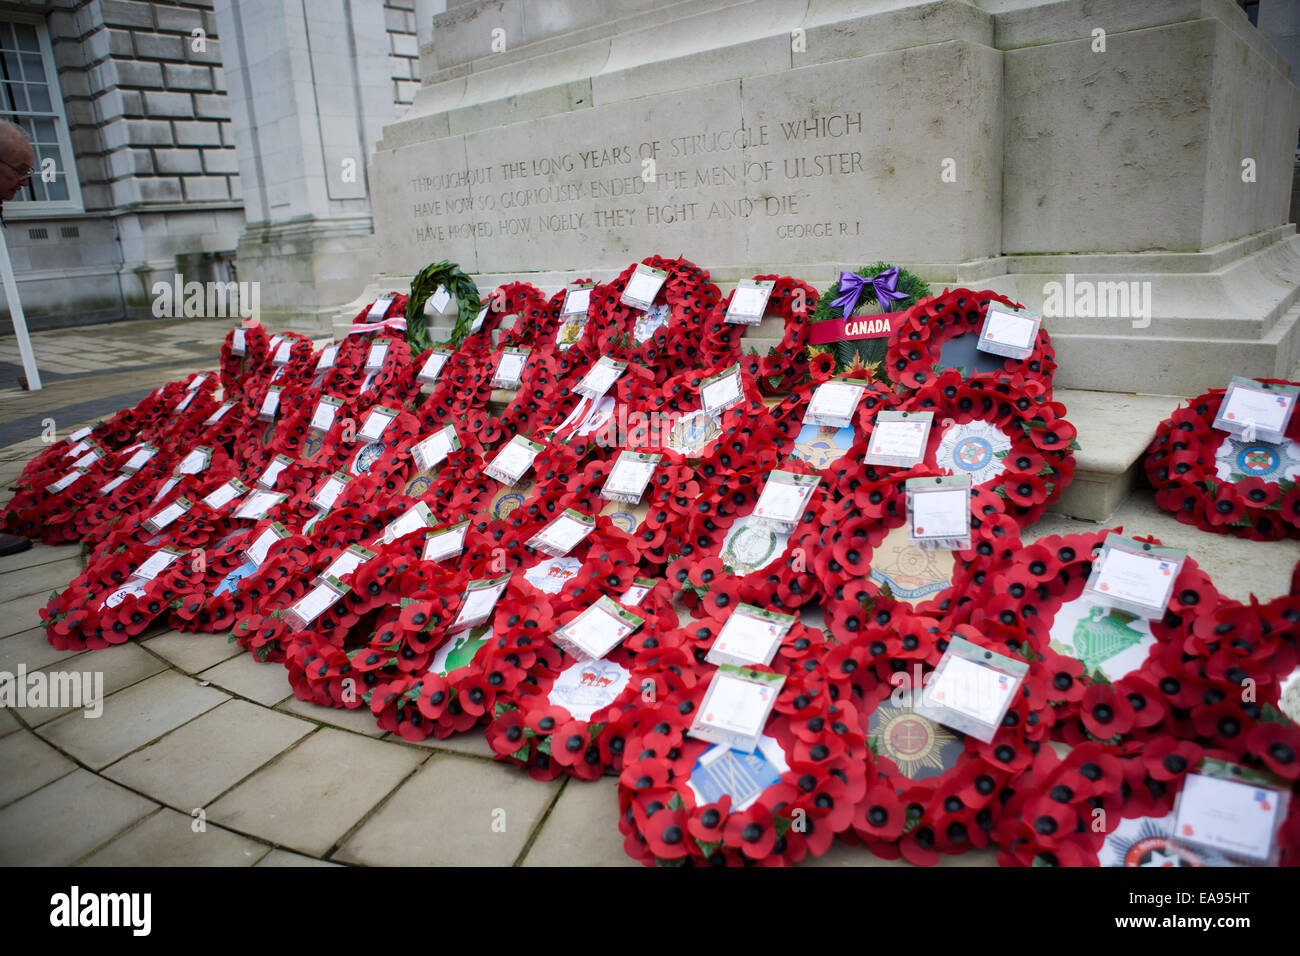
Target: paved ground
203, 756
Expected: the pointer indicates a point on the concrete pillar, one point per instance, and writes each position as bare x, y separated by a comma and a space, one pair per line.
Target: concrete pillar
311, 89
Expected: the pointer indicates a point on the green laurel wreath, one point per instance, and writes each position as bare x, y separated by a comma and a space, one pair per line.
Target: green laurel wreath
863, 355
425, 284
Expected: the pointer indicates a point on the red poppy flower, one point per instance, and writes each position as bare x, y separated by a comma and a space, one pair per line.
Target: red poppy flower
1106, 713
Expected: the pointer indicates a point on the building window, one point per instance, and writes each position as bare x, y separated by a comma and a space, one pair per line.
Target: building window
30, 97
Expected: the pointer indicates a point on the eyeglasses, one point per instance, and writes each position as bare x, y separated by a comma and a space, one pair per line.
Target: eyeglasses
23, 171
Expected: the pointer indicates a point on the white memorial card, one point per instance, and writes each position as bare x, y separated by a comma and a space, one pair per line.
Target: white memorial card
750, 636
643, 286
1237, 817
577, 301
432, 451
597, 630
834, 403
377, 421
514, 460
270, 404
162, 519
375, 357
347, 562
433, 366
749, 301
510, 368
257, 504
315, 603
735, 707
225, 494
412, 519
632, 471
719, 393
261, 546
783, 499
600, 378
272, 472
157, 563
1256, 410
440, 545
329, 492
322, 419
899, 439
379, 308
1008, 331
477, 602
563, 534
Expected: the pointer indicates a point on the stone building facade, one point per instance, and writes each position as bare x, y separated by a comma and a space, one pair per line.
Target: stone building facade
148, 156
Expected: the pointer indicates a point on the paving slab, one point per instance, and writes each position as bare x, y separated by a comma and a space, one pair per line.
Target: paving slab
22, 614
359, 720
28, 763
168, 838
582, 828
287, 858
204, 758
66, 819
265, 682
121, 666
132, 718
31, 649
472, 743
40, 578
192, 652
457, 811
39, 554
312, 795
8, 722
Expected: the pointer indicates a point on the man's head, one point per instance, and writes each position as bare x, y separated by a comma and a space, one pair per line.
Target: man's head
16, 158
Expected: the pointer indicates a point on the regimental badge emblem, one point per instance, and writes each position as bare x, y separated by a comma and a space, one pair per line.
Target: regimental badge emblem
1270, 461
1107, 639
821, 445
418, 486
459, 651
976, 448
367, 457
508, 499
567, 335
648, 323
693, 433
506, 504
310, 445
626, 517
232, 581
720, 772
122, 593
912, 573
588, 686
1149, 842
750, 546
551, 576
918, 746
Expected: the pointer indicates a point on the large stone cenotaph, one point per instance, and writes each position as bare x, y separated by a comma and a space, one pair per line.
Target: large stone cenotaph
1125, 167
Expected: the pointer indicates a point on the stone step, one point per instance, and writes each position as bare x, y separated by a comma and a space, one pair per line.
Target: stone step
1114, 432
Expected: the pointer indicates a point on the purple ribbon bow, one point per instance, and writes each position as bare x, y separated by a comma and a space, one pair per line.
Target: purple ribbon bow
852, 286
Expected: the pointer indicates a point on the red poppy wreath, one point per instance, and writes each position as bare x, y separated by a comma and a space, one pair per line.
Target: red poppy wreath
1222, 482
